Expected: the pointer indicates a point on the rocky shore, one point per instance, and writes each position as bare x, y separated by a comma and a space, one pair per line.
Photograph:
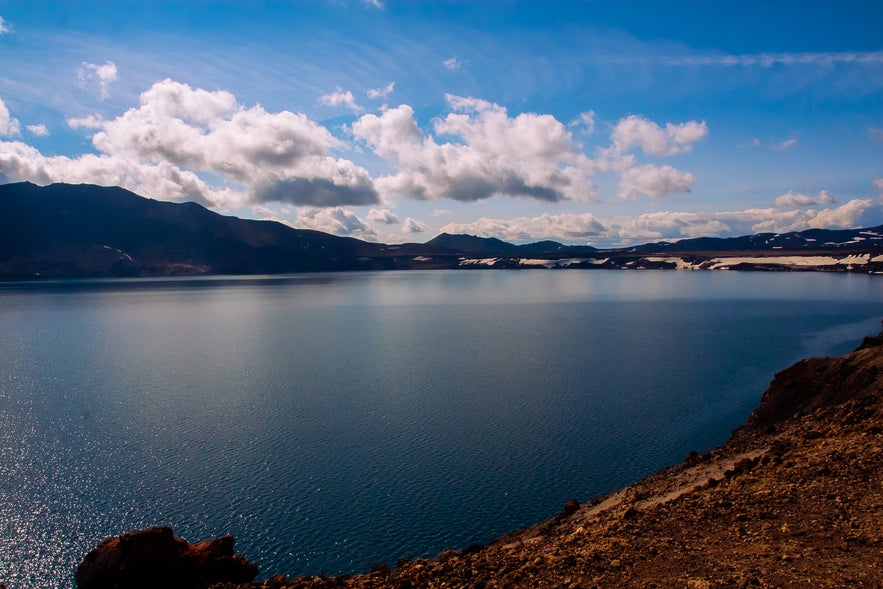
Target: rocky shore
793, 499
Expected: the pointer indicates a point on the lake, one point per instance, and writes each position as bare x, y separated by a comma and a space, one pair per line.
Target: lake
332, 421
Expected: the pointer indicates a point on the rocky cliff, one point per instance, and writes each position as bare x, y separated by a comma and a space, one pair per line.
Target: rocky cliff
793, 499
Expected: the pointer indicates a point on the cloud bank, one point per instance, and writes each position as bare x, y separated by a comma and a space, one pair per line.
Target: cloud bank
628, 230
178, 133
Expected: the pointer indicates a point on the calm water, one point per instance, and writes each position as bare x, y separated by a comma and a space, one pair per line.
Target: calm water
334, 421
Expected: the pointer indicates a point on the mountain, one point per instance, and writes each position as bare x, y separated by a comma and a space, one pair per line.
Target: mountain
809, 240
65, 230
471, 244
84, 230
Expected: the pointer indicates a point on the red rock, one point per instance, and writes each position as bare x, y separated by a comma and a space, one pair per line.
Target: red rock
155, 558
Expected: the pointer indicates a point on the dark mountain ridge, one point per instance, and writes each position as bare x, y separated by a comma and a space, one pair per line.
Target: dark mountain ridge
65, 230
84, 230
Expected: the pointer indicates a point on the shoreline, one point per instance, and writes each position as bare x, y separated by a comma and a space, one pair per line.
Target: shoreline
793, 497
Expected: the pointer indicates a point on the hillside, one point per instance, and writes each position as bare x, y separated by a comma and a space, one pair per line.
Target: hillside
79, 231
83, 230
793, 499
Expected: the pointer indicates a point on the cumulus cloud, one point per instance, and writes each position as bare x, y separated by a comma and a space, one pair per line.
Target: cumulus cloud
414, 226
651, 180
878, 184
383, 216
452, 64
568, 227
341, 98
354, 190
38, 130
794, 199
87, 122
375, 93
669, 225
4, 27
335, 220
493, 154
855, 213
102, 75
651, 138
19, 162
8, 124
176, 132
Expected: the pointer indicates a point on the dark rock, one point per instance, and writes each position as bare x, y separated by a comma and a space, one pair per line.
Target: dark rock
380, 569
571, 507
155, 558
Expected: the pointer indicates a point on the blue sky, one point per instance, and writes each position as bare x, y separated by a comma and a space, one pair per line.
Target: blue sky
606, 123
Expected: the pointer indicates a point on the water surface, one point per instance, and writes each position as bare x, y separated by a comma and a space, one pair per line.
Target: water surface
332, 421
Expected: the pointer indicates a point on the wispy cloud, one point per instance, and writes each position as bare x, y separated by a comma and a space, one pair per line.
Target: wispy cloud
773, 59
4, 27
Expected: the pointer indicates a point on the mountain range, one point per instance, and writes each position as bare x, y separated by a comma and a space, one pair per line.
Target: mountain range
64, 230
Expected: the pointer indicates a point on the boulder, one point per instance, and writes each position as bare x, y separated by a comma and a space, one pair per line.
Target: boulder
155, 558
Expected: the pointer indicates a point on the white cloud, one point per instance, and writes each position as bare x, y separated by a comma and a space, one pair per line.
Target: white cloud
669, 225
341, 98
5, 27
383, 216
414, 226
335, 220
529, 155
19, 162
878, 184
653, 181
651, 138
585, 121
177, 131
375, 93
786, 144
794, 199
568, 227
38, 130
374, 3
87, 122
851, 214
8, 124
452, 64
102, 75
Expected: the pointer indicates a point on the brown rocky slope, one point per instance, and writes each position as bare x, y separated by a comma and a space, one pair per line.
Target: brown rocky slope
793, 499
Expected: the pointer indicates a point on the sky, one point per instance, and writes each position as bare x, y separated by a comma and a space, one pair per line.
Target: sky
601, 123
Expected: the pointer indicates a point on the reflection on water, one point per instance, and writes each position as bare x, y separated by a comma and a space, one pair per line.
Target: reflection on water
331, 421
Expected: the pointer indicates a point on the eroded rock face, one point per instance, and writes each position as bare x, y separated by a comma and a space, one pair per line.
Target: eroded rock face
155, 558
